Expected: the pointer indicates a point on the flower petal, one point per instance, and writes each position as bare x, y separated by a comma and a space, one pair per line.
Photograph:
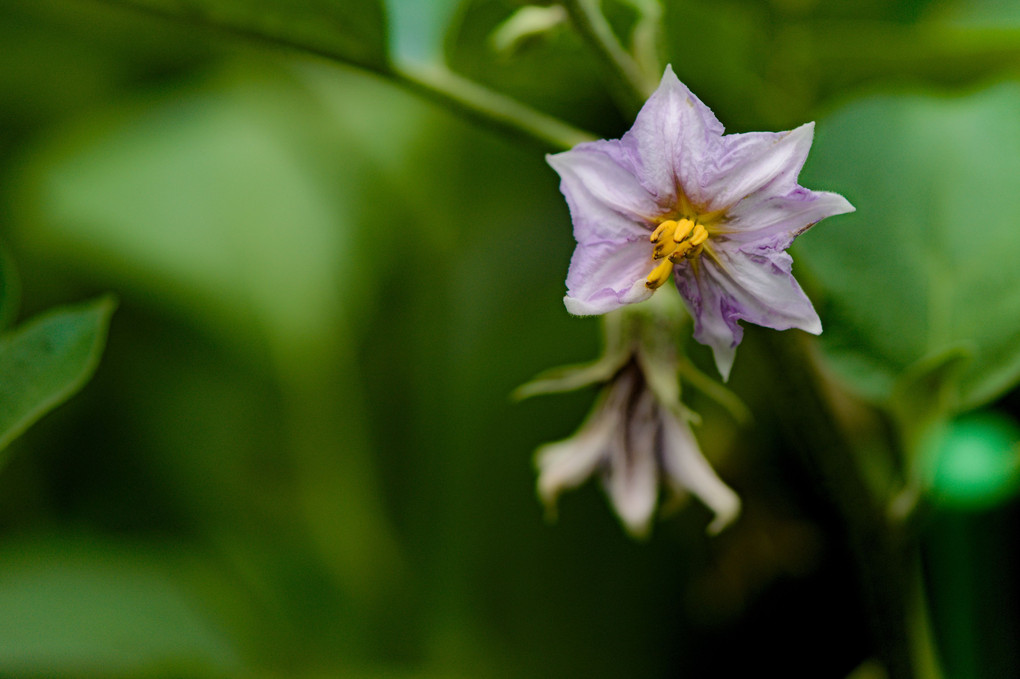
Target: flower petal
607, 275
743, 164
672, 137
687, 469
567, 464
606, 200
774, 221
735, 285
632, 479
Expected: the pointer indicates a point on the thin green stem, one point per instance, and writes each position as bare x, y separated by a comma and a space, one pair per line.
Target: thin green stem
922, 637
435, 83
629, 84
715, 391
487, 107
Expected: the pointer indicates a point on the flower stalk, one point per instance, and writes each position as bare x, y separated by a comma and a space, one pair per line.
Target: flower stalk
630, 86
487, 107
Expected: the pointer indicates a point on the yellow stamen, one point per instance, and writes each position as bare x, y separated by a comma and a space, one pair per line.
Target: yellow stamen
675, 240
683, 229
663, 229
682, 250
699, 236
660, 274
663, 248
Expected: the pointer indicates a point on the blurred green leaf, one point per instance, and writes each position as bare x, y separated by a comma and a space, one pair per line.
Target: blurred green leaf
10, 289
211, 198
354, 32
928, 261
46, 361
927, 392
77, 609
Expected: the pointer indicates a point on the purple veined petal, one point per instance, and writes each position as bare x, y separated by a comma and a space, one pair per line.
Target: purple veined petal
773, 222
687, 469
632, 476
672, 136
744, 164
715, 324
757, 287
608, 275
606, 200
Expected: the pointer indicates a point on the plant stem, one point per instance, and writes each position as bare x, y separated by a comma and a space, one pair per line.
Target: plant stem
487, 107
629, 84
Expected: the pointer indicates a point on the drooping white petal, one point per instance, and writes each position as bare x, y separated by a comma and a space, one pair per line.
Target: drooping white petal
567, 464
744, 164
687, 469
632, 477
606, 200
774, 221
672, 136
607, 275
736, 285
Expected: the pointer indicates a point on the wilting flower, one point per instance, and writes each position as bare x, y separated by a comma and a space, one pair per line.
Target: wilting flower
635, 442
675, 196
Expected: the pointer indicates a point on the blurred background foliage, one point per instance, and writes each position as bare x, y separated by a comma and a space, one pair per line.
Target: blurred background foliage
298, 456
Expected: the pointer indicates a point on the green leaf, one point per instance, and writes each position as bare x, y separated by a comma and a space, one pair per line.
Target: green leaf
927, 392
77, 608
928, 261
354, 32
216, 199
47, 360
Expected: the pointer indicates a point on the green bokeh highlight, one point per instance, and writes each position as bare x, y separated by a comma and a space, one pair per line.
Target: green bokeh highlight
973, 463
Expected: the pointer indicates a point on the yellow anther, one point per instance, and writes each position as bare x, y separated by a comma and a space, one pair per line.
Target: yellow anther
675, 239
663, 248
699, 236
683, 229
660, 274
663, 231
682, 250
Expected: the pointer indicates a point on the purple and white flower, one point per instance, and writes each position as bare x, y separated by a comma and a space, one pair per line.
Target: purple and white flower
675, 196
636, 443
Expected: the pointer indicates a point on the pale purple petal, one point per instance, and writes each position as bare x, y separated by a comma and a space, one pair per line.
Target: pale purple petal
744, 164
607, 275
777, 220
687, 469
672, 136
606, 200
632, 476
755, 286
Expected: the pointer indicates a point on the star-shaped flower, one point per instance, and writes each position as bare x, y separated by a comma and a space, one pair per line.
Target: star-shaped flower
635, 443
675, 196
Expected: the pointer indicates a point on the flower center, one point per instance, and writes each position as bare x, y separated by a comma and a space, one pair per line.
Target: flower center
673, 241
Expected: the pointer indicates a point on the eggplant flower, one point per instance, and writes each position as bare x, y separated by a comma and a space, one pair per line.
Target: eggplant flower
676, 197
635, 443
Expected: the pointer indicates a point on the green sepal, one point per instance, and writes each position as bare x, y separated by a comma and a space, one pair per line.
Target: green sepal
618, 334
